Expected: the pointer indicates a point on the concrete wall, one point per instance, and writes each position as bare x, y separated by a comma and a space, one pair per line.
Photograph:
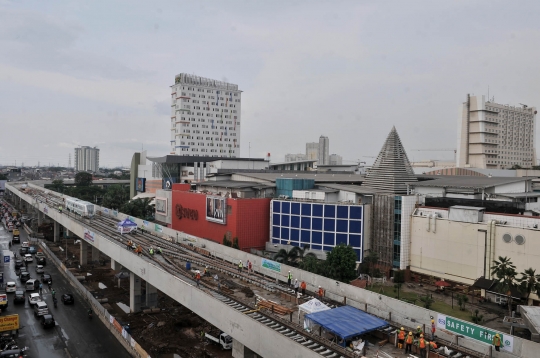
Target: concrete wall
165, 194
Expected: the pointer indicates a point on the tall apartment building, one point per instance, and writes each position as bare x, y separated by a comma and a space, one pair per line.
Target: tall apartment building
205, 117
87, 159
324, 154
295, 157
335, 159
495, 136
312, 151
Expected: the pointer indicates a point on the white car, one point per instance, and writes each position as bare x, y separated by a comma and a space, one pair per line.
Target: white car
40, 269
34, 298
11, 286
40, 254
28, 258
25, 244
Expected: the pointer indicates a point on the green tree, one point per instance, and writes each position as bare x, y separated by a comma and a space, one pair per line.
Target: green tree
300, 253
286, 257
529, 282
3, 177
226, 241
83, 179
57, 185
115, 197
516, 166
139, 208
235, 244
312, 264
341, 263
477, 318
504, 272
428, 301
368, 264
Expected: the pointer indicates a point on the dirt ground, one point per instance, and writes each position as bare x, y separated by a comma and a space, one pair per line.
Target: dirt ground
174, 329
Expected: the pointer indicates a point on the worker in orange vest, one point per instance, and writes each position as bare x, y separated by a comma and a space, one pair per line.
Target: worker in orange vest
303, 287
197, 277
433, 329
408, 343
401, 338
432, 345
422, 346
321, 292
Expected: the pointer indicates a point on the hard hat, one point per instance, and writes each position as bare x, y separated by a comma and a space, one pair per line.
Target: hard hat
319, 286
497, 335
418, 327
402, 328
432, 321
206, 266
410, 333
289, 271
421, 336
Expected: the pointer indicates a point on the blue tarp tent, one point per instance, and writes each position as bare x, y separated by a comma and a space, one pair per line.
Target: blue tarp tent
346, 322
126, 226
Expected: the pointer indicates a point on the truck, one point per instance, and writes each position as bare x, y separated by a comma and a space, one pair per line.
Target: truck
16, 235
223, 339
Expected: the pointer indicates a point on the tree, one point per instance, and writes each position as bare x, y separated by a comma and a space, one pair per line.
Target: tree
462, 301
368, 264
3, 177
428, 301
286, 257
300, 253
235, 244
529, 282
226, 241
505, 274
83, 179
516, 166
115, 197
312, 264
341, 263
139, 208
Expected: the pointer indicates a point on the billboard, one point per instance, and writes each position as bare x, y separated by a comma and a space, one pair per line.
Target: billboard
88, 235
216, 209
9, 323
140, 185
167, 183
161, 206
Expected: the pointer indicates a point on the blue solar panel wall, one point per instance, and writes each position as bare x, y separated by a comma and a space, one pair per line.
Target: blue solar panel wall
319, 225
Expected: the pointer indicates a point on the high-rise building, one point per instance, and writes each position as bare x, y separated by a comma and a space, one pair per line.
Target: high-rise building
295, 157
324, 154
87, 159
336, 159
495, 136
205, 117
312, 151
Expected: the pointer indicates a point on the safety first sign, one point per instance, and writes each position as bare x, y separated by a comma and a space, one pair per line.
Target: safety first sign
9, 323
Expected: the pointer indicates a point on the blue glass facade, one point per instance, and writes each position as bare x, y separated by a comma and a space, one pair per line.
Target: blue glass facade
321, 226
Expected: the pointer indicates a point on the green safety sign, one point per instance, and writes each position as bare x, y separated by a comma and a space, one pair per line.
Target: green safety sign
479, 333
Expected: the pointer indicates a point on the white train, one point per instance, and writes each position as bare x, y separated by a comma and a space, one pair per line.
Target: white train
83, 208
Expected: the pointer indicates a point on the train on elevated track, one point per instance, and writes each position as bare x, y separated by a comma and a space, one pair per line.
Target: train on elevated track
80, 207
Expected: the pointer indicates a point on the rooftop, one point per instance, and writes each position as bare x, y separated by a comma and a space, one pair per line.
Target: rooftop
467, 182
187, 159
231, 184
318, 177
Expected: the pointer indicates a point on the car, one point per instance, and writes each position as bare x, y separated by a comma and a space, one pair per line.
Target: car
40, 269
41, 260
46, 278
25, 276
25, 244
32, 250
34, 298
47, 321
23, 251
21, 270
68, 298
18, 263
11, 286
40, 254
28, 258
40, 309
32, 284
25, 218
19, 297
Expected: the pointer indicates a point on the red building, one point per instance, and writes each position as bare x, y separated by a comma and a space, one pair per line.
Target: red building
213, 217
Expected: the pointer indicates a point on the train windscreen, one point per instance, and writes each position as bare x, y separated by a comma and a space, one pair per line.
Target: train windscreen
90, 209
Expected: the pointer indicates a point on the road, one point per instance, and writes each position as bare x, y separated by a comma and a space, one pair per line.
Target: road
74, 331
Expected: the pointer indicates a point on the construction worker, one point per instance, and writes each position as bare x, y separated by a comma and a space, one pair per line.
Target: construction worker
289, 279
401, 338
433, 329
422, 346
205, 270
418, 332
408, 343
240, 266
159, 251
139, 250
497, 342
432, 345
129, 244
321, 292
197, 277
296, 285
151, 251
250, 267
60, 209
303, 287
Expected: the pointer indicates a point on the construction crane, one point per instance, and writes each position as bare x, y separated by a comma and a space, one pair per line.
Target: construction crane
438, 150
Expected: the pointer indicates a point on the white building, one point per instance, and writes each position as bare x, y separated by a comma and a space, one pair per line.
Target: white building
205, 117
324, 151
87, 159
312, 151
335, 159
495, 136
295, 157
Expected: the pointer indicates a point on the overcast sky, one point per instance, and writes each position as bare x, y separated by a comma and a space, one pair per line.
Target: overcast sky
98, 73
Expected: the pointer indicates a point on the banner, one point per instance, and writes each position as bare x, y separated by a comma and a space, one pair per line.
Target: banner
140, 185
115, 213
271, 265
105, 211
145, 223
216, 209
88, 235
479, 333
161, 206
9, 323
159, 228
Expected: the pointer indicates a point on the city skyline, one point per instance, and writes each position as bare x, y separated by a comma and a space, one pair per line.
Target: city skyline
94, 74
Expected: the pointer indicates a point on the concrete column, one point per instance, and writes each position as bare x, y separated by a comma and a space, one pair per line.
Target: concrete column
134, 292
241, 351
151, 296
40, 218
67, 232
95, 254
84, 253
115, 265
56, 236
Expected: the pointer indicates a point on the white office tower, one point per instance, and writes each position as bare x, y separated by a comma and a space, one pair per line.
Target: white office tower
495, 136
312, 151
324, 154
336, 159
87, 159
205, 117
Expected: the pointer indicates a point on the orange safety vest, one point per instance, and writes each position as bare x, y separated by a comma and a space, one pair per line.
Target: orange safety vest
401, 335
409, 340
433, 345
198, 277
321, 292
497, 341
422, 343
303, 285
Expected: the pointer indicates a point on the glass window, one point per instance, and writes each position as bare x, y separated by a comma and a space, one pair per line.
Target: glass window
317, 224
305, 236
295, 208
356, 212
316, 237
354, 240
330, 225
295, 221
276, 206
286, 207
306, 209
276, 232
285, 219
317, 210
295, 235
329, 238
343, 211
275, 219
306, 223
329, 211
355, 227
342, 225
285, 233
341, 239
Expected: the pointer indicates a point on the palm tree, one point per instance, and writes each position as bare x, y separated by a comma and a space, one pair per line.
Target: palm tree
300, 253
529, 282
286, 257
505, 274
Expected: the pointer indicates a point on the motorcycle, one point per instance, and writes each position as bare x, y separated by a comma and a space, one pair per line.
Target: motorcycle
90, 314
55, 301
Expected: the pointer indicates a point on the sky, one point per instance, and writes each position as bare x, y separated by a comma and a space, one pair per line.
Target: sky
98, 73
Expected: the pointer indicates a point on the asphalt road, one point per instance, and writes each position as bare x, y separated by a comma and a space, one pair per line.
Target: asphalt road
74, 331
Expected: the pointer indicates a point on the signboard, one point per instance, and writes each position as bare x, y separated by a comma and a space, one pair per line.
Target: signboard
140, 185
145, 223
115, 213
167, 183
216, 209
271, 265
182, 212
46, 209
159, 228
479, 333
9, 323
105, 211
88, 235
6, 259
161, 206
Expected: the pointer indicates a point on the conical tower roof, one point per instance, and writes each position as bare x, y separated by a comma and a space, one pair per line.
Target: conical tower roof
392, 170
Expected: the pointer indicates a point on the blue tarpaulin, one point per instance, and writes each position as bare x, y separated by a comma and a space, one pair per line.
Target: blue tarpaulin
346, 322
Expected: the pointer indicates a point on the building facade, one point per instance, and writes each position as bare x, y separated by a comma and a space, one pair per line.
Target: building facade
312, 151
87, 159
495, 136
335, 159
205, 117
295, 157
324, 151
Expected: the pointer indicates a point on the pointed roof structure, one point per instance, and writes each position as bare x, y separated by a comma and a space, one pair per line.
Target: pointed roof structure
392, 170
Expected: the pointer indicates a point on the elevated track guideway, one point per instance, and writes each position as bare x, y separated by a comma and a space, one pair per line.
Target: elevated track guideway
265, 333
